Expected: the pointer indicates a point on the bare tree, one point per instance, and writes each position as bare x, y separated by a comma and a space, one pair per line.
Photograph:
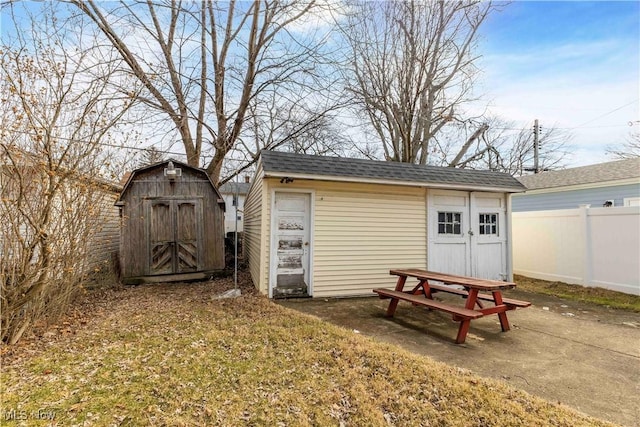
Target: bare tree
55, 119
413, 68
629, 150
504, 146
150, 156
277, 124
323, 139
204, 64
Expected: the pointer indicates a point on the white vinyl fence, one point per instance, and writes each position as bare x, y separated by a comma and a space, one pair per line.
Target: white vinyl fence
586, 246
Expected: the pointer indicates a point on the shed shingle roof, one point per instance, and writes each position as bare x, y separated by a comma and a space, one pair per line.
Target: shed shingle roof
276, 163
602, 172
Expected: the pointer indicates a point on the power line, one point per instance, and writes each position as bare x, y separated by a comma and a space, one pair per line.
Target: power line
582, 125
123, 147
593, 127
104, 144
566, 128
610, 112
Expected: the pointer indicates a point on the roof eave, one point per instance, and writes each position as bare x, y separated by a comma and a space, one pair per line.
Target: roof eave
361, 180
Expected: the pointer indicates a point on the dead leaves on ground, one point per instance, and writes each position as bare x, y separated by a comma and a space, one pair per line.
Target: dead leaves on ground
170, 354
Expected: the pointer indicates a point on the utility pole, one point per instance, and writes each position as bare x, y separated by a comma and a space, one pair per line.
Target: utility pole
235, 234
536, 147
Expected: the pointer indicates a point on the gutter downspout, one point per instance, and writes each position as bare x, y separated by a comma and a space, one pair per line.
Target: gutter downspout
509, 239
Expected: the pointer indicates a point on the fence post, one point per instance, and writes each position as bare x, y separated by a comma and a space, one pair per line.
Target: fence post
586, 249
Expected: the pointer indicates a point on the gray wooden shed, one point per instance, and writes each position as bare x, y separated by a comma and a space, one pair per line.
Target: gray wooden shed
172, 224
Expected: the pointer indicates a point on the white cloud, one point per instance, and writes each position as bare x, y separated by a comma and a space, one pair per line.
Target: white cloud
591, 88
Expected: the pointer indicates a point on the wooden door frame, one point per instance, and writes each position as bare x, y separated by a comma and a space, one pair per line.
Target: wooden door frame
273, 228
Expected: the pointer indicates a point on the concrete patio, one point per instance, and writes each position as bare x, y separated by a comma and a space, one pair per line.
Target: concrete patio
581, 355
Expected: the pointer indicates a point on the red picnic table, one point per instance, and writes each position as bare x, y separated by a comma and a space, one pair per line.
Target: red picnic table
476, 303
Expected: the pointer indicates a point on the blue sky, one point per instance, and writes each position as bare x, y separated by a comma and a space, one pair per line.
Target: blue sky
571, 64
574, 65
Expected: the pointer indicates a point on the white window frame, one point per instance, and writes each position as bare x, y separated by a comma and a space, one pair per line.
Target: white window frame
453, 223
492, 225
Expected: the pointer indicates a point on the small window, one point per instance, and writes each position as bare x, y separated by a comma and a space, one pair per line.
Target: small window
235, 200
489, 224
449, 223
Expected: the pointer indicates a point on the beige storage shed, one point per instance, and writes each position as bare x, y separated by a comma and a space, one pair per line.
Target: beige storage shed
326, 226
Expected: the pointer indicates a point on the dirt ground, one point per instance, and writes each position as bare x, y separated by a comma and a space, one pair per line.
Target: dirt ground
582, 355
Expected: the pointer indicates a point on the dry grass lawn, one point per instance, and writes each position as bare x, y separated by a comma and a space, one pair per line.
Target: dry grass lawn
173, 355
598, 296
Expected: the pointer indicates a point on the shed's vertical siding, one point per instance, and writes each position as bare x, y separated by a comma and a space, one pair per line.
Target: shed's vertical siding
213, 230
360, 232
133, 251
252, 235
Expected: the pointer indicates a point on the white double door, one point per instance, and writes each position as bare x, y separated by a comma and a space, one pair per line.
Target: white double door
467, 233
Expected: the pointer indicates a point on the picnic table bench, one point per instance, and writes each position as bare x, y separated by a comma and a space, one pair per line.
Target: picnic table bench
422, 294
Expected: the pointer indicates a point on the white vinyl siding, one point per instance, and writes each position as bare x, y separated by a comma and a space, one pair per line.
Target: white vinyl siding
254, 250
360, 232
560, 198
360, 236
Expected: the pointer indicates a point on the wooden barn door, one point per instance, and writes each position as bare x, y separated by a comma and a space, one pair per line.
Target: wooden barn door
161, 256
174, 227
186, 236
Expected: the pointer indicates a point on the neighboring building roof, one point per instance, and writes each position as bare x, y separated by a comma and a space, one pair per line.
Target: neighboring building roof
278, 164
602, 172
230, 188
